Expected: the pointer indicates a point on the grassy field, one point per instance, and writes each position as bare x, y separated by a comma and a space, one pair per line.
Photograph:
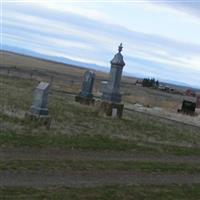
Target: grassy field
76, 126
177, 192
49, 165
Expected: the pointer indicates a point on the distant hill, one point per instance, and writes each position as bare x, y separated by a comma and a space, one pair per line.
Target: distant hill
62, 60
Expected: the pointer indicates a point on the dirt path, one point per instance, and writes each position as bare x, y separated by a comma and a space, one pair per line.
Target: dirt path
59, 154
90, 179
77, 178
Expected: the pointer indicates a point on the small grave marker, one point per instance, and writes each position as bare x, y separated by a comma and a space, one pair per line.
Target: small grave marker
39, 109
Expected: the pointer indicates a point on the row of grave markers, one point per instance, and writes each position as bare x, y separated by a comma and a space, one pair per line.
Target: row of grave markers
111, 97
110, 100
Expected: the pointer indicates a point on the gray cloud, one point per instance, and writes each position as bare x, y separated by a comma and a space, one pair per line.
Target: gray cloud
145, 54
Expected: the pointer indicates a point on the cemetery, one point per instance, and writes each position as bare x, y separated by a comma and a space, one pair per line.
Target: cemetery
83, 125
99, 100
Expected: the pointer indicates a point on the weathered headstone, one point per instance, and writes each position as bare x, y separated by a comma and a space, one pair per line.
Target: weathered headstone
39, 109
39, 105
111, 97
86, 96
188, 106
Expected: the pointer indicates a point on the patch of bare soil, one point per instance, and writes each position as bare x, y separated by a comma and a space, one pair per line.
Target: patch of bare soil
91, 179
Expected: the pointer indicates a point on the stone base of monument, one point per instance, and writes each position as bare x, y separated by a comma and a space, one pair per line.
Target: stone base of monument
84, 100
40, 119
114, 110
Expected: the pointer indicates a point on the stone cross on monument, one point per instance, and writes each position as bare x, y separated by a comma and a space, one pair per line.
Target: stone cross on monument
111, 96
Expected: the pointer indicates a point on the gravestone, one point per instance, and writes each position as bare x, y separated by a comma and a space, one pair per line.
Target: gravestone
39, 109
188, 107
86, 96
111, 97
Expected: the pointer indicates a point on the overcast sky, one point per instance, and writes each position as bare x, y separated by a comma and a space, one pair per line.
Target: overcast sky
161, 39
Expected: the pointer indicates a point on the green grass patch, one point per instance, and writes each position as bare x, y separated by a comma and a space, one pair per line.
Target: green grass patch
90, 142
99, 165
87, 142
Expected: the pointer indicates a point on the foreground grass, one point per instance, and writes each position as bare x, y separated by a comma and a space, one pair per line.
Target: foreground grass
48, 165
19, 132
89, 142
139, 192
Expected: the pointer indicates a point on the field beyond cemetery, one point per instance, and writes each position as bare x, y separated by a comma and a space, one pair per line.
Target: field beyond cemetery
85, 155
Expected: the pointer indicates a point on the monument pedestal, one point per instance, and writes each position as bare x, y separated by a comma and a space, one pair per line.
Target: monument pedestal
114, 110
111, 96
39, 111
40, 119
